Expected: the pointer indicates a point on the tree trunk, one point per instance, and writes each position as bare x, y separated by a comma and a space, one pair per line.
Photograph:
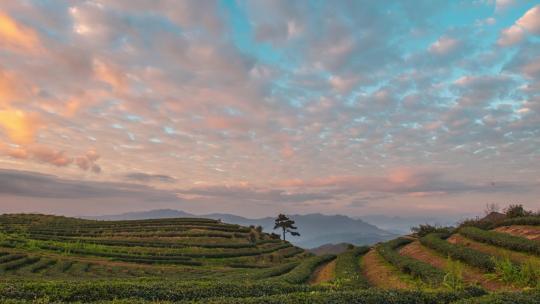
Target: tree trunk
284, 234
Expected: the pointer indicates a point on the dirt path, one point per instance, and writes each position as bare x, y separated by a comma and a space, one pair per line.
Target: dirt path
415, 250
323, 273
515, 256
380, 274
530, 232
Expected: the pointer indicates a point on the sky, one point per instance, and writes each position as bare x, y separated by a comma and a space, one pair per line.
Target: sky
413, 107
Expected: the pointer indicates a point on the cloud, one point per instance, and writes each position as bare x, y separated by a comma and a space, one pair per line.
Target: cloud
47, 155
511, 36
19, 126
110, 75
252, 194
444, 46
359, 190
501, 5
402, 181
35, 185
87, 161
528, 23
320, 92
147, 178
15, 36
12, 89
58, 158
482, 89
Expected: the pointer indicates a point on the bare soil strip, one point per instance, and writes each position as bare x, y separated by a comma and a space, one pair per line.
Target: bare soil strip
515, 256
380, 274
471, 275
323, 273
529, 232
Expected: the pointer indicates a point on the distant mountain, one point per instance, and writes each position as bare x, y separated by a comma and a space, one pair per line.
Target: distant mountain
315, 229
402, 225
330, 249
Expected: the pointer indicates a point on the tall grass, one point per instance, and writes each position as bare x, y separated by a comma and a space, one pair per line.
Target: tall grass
453, 279
524, 275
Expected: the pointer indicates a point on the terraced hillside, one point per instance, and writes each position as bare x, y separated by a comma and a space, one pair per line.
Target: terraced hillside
51, 246
58, 259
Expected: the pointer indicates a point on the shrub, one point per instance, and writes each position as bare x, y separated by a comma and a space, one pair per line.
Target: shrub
476, 223
501, 239
11, 257
416, 268
516, 211
44, 263
16, 264
84, 292
277, 270
423, 230
356, 297
529, 220
525, 297
458, 252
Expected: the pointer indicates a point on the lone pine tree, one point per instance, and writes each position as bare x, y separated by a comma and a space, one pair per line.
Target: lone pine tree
286, 224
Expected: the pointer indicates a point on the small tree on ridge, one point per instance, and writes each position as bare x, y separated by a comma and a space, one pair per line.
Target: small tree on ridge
286, 224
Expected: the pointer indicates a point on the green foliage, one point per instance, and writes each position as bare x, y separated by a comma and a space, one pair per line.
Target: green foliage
55, 259
348, 273
154, 292
10, 257
516, 211
458, 252
151, 291
423, 230
277, 270
477, 223
42, 264
501, 239
373, 296
16, 264
529, 220
302, 272
416, 268
525, 297
286, 225
524, 275
453, 279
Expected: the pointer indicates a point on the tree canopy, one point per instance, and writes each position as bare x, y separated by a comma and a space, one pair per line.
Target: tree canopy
286, 224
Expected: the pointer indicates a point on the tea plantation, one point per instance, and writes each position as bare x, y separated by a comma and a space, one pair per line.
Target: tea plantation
52, 259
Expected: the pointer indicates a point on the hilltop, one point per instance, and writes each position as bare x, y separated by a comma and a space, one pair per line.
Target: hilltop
316, 229
199, 260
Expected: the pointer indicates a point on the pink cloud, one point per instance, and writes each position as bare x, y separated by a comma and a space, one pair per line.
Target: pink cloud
51, 156
444, 45
15, 36
19, 126
528, 23
511, 36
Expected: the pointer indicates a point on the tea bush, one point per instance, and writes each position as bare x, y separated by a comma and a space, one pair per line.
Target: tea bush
470, 256
416, 268
501, 239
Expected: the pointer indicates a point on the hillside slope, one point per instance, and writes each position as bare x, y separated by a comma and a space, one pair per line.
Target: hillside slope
51, 259
315, 229
79, 248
